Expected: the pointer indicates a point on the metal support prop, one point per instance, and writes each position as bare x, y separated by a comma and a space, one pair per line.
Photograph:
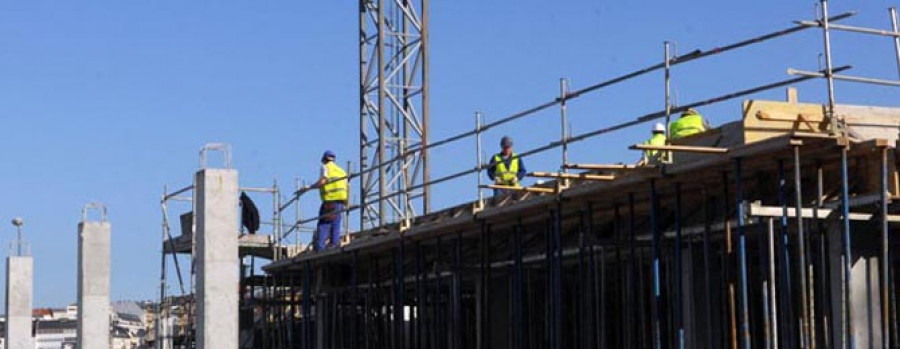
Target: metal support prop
655, 231
485, 281
773, 307
742, 254
727, 259
518, 323
848, 255
556, 278
399, 299
595, 287
632, 340
457, 293
805, 331
787, 303
437, 315
369, 306
583, 281
707, 231
307, 332
679, 301
885, 253
824, 278
354, 302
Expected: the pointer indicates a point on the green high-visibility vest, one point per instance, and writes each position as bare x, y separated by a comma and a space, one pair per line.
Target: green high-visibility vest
335, 189
657, 139
504, 175
686, 126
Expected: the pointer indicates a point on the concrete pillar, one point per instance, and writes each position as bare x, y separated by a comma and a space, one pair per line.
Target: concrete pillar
93, 284
216, 200
19, 279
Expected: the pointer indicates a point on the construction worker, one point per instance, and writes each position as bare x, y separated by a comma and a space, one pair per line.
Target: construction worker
333, 189
506, 168
652, 157
690, 122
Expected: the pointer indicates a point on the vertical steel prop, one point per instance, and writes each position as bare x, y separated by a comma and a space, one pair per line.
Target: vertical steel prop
399, 298
632, 282
848, 256
307, 307
742, 254
805, 330
707, 231
518, 321
354, 301
583, 281
787, 303
679, 302
456, 312
654, 230
885, 253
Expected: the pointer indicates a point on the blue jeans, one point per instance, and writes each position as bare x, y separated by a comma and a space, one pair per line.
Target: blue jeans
329, 226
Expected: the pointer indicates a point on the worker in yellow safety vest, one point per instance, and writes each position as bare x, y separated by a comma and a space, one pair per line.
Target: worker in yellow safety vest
690, 122
333, 190
652, 157
506, 168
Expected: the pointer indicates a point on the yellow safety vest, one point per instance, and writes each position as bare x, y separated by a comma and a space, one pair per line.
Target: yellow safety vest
657, 139
686, 126
504, 175
335, 189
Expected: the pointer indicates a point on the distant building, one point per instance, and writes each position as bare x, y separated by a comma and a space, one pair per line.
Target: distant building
55, 333
57, 328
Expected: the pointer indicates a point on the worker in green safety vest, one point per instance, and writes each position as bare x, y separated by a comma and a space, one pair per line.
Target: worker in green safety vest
333, 189
506, 168
690, 122
653, 157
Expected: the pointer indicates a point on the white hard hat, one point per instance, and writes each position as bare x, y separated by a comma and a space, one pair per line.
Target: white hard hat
659, 127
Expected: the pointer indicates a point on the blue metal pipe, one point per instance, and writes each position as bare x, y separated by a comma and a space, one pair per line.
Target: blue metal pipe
848, 256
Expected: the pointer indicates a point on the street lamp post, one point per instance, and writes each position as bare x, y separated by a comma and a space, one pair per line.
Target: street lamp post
18, 223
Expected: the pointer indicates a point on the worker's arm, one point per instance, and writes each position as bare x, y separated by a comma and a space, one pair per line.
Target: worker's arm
522, 171
491, 168
323, 178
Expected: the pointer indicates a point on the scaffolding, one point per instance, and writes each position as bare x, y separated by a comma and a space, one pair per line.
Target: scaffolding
177, 310
746, 243
716, 248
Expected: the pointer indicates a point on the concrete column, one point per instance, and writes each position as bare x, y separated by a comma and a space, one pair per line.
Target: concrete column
93, 284
216, 200
19, 278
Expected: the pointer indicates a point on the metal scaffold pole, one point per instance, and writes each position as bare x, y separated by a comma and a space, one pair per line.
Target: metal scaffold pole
742, 254
657, 298
829, 71
847, 250
805, 329
885, 251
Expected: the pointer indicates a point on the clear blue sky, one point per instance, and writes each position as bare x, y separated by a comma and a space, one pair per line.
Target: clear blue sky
110, 100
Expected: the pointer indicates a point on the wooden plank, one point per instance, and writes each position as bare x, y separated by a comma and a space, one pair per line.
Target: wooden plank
585, 176
767, 119
792, 95
680, 148
526, 189
609, 167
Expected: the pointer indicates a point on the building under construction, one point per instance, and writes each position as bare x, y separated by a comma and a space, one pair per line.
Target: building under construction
777, 229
